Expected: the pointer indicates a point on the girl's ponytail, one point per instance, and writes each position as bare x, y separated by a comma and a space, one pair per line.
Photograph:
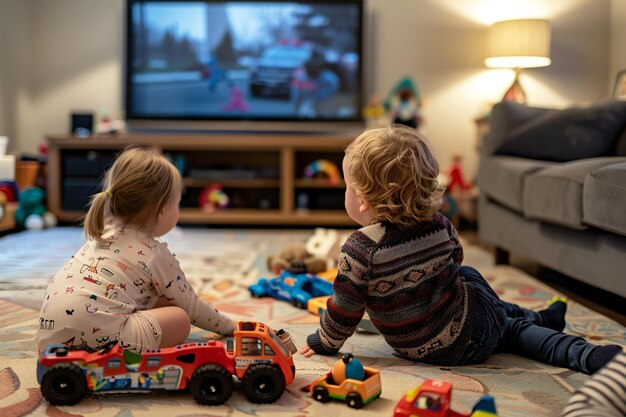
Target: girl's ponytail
94, 220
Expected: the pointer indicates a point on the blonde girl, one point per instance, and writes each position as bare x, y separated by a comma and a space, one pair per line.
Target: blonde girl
124, 284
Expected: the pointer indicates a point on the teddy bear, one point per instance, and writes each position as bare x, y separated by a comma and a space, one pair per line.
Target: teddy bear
293, 257
31, 213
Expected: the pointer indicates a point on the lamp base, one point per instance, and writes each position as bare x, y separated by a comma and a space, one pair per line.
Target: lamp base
515, 92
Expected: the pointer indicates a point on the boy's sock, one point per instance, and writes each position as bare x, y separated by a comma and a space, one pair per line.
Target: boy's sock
553, 317
600, 356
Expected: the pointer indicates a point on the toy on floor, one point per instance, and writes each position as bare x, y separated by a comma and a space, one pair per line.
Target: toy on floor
295, 288
326, 244
256, 357
348, 381
31, 212
317, 305
295, 258
432, 398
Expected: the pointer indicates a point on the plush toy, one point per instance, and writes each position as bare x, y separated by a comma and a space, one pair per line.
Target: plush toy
404, 104
294, 257
213, 198
31, 213
326, 244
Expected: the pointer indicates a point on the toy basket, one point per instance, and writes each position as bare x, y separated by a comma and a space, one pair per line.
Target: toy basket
26, 174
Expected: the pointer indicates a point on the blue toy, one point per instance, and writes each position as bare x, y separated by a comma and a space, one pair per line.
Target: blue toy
348, 367
295, 288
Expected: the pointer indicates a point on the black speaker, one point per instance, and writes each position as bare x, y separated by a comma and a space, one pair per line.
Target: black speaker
82, 124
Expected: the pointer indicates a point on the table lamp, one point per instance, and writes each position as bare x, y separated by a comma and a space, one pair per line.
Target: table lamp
518, 44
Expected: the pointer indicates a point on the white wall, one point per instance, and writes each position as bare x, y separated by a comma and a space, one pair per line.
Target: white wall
70, 53
16, 70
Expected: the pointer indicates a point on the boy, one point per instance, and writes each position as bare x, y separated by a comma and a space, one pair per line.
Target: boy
404, 268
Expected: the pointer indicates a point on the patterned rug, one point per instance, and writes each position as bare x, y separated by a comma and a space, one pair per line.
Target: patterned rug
221, 264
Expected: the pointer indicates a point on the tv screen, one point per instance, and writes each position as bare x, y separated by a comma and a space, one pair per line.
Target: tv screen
244, 60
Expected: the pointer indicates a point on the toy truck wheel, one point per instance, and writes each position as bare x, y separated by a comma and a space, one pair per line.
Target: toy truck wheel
64, 384
211, 385
321, 394
254, 294
298, 304
263, 384
354, 400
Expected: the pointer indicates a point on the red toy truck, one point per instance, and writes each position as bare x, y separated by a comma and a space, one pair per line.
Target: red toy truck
256, 357
432, 399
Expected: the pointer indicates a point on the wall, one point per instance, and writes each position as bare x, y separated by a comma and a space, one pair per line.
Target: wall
16, 57
70, 55
618, 41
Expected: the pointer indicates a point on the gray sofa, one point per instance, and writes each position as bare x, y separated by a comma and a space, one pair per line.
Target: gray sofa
553, 189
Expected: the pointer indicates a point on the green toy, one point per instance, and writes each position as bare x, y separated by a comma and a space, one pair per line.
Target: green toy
31, 213
404, 104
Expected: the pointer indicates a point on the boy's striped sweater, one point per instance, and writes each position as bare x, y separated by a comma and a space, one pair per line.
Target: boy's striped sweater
408, 281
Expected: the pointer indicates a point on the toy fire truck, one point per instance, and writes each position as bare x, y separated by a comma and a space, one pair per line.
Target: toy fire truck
256, 356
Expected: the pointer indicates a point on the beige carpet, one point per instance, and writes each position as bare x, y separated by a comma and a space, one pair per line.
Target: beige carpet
221, 263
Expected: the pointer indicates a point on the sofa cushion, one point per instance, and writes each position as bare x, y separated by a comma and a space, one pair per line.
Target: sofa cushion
604, 198
501, 178
555, 194
620, 145
505, 117
569, 134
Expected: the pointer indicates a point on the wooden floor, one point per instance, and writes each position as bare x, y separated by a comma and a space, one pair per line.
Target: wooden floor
596, 299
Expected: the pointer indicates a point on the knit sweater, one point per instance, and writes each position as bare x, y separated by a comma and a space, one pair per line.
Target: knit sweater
408, 282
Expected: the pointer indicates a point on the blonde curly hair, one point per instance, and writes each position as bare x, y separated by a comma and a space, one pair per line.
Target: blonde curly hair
394, 170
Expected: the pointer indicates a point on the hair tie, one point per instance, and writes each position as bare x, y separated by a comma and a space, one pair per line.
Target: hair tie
109, 193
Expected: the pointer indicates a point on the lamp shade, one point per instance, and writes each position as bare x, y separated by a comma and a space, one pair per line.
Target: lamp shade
519, 44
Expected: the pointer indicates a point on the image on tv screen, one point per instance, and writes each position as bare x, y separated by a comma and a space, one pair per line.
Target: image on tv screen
244, 60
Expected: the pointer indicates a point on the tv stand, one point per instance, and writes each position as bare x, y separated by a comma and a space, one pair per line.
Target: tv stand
262, 174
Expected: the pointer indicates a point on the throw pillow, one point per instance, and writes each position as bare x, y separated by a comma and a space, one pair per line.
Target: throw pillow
506, 116
569, 134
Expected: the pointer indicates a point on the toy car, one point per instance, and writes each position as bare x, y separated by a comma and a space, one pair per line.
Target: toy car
295, 288
317, 305
432, 399
256, 356
355, 392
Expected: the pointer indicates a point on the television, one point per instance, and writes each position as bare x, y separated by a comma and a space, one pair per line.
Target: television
237, 64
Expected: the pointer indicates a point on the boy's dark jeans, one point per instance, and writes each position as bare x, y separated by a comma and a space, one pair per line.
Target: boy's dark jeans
506, 327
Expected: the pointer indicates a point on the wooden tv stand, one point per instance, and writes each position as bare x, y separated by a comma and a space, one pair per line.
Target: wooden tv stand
263, 175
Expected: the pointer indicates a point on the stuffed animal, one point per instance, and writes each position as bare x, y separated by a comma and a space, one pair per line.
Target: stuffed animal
31, 213
326, 244
294, 257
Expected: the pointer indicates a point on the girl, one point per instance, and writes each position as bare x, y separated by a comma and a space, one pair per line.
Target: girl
124, 285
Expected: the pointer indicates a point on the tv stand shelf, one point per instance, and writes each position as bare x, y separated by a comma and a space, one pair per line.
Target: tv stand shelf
263, 175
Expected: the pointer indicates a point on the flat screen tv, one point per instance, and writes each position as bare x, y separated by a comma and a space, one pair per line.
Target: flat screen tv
247, 61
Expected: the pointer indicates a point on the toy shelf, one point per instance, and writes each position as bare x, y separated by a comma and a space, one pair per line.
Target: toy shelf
262, 174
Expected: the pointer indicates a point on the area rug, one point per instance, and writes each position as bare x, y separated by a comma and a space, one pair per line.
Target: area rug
221, 264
